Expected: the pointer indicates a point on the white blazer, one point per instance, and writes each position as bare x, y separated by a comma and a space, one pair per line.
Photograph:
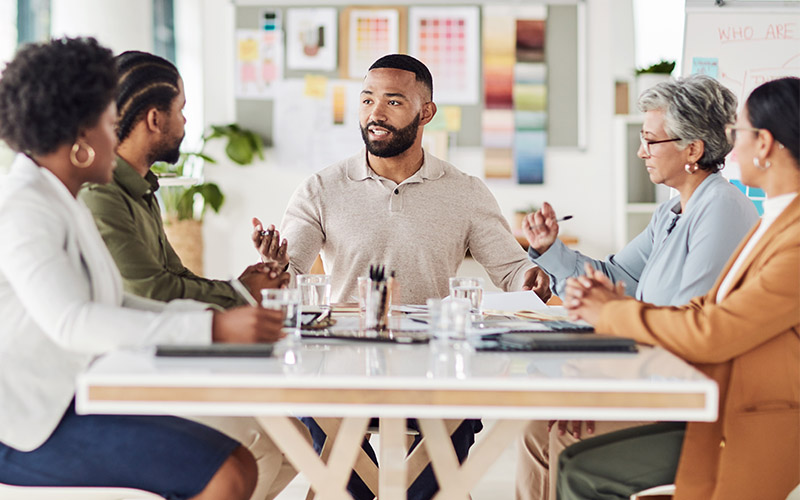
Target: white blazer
62, 304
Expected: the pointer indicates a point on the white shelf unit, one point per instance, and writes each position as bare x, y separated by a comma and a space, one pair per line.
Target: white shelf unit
637, 197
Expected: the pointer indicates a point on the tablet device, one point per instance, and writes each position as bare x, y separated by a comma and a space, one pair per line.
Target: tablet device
558, 342
217, 350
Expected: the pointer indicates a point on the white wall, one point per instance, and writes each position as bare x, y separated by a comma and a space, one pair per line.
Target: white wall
580, 183
118, 24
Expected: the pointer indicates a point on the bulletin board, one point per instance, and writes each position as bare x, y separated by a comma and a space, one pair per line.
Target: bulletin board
564, 47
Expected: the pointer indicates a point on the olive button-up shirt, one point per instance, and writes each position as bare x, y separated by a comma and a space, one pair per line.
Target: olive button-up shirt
128, 216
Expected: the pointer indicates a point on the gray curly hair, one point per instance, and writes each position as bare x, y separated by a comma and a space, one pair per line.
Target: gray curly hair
696, 108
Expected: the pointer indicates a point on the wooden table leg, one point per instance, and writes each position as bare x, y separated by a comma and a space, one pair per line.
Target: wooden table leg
364, 466
455, 481
418, 459
328, 480
393, 459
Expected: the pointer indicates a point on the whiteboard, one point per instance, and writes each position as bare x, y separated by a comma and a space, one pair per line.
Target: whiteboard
742, 47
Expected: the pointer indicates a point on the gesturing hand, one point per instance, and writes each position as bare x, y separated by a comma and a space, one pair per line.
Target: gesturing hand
538, 281
247, 325
541, 228
269, 244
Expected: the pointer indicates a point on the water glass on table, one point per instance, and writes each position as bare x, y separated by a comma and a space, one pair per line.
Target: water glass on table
470, 289
363, 288
448, 319
315, 291
449, 351
286, 300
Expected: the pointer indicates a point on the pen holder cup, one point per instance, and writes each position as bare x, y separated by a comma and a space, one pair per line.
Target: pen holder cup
377, 305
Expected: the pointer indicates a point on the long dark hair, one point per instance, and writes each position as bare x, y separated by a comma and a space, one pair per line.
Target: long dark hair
775, 106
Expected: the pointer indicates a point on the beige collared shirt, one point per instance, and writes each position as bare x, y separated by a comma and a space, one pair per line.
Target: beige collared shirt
420, 228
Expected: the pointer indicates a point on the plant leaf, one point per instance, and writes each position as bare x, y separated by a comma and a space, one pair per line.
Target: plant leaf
239, 149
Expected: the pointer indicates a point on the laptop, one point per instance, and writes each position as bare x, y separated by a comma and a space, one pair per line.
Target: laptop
557, 342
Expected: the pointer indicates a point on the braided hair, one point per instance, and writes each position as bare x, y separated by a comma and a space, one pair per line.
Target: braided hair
145, 81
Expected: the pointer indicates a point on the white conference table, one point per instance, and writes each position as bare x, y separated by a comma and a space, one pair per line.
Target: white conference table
358, 380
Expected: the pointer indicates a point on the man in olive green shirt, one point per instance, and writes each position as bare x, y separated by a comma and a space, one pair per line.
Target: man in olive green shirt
127, 213
128, 216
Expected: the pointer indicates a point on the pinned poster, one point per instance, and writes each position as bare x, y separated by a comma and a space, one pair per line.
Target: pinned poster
371, 33
259, 63
446, 39
311, 39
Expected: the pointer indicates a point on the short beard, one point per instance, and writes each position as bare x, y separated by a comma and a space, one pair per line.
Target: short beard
168, 153
400, 142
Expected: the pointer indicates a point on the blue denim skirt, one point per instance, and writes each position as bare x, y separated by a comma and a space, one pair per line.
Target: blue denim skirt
169, 456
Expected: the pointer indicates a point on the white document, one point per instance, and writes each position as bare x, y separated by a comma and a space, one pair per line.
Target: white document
513, 301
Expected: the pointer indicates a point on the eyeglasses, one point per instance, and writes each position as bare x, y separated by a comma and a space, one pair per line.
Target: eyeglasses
730, 132
646, 143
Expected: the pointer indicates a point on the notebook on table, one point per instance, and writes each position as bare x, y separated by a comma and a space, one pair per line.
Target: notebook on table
558, 342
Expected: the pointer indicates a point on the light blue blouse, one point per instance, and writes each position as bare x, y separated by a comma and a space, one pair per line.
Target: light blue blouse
678, 256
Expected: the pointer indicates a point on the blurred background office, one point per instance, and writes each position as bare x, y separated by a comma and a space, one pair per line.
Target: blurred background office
582, 178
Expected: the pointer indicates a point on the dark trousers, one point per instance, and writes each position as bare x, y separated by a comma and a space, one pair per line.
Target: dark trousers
425, 486
616, 465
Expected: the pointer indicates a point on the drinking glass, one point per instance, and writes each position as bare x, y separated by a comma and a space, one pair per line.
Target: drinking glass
364, 283
470, 289
315, 291
448, 319
286, 300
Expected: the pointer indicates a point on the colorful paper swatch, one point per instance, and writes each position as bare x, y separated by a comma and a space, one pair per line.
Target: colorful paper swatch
339, 104
373, 33
515, 94
530, 100
446, 40
498, 77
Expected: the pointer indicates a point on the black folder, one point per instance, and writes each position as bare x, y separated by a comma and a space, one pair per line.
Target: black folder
558, 342
217, 350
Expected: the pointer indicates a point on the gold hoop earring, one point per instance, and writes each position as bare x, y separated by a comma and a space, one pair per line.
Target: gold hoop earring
73, 155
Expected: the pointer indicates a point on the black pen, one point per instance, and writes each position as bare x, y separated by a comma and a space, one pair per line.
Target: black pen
562, 219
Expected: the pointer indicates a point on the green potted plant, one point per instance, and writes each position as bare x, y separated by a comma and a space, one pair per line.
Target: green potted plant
185, 197
654, 74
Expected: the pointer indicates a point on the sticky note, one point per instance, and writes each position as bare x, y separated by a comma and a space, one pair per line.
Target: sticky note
248, 50
316, 86
452, 118
705, 66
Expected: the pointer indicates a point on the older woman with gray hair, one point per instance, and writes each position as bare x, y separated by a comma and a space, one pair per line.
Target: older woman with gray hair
678, 256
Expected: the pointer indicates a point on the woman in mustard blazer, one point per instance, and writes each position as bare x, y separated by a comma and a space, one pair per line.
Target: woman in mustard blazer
744, 334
